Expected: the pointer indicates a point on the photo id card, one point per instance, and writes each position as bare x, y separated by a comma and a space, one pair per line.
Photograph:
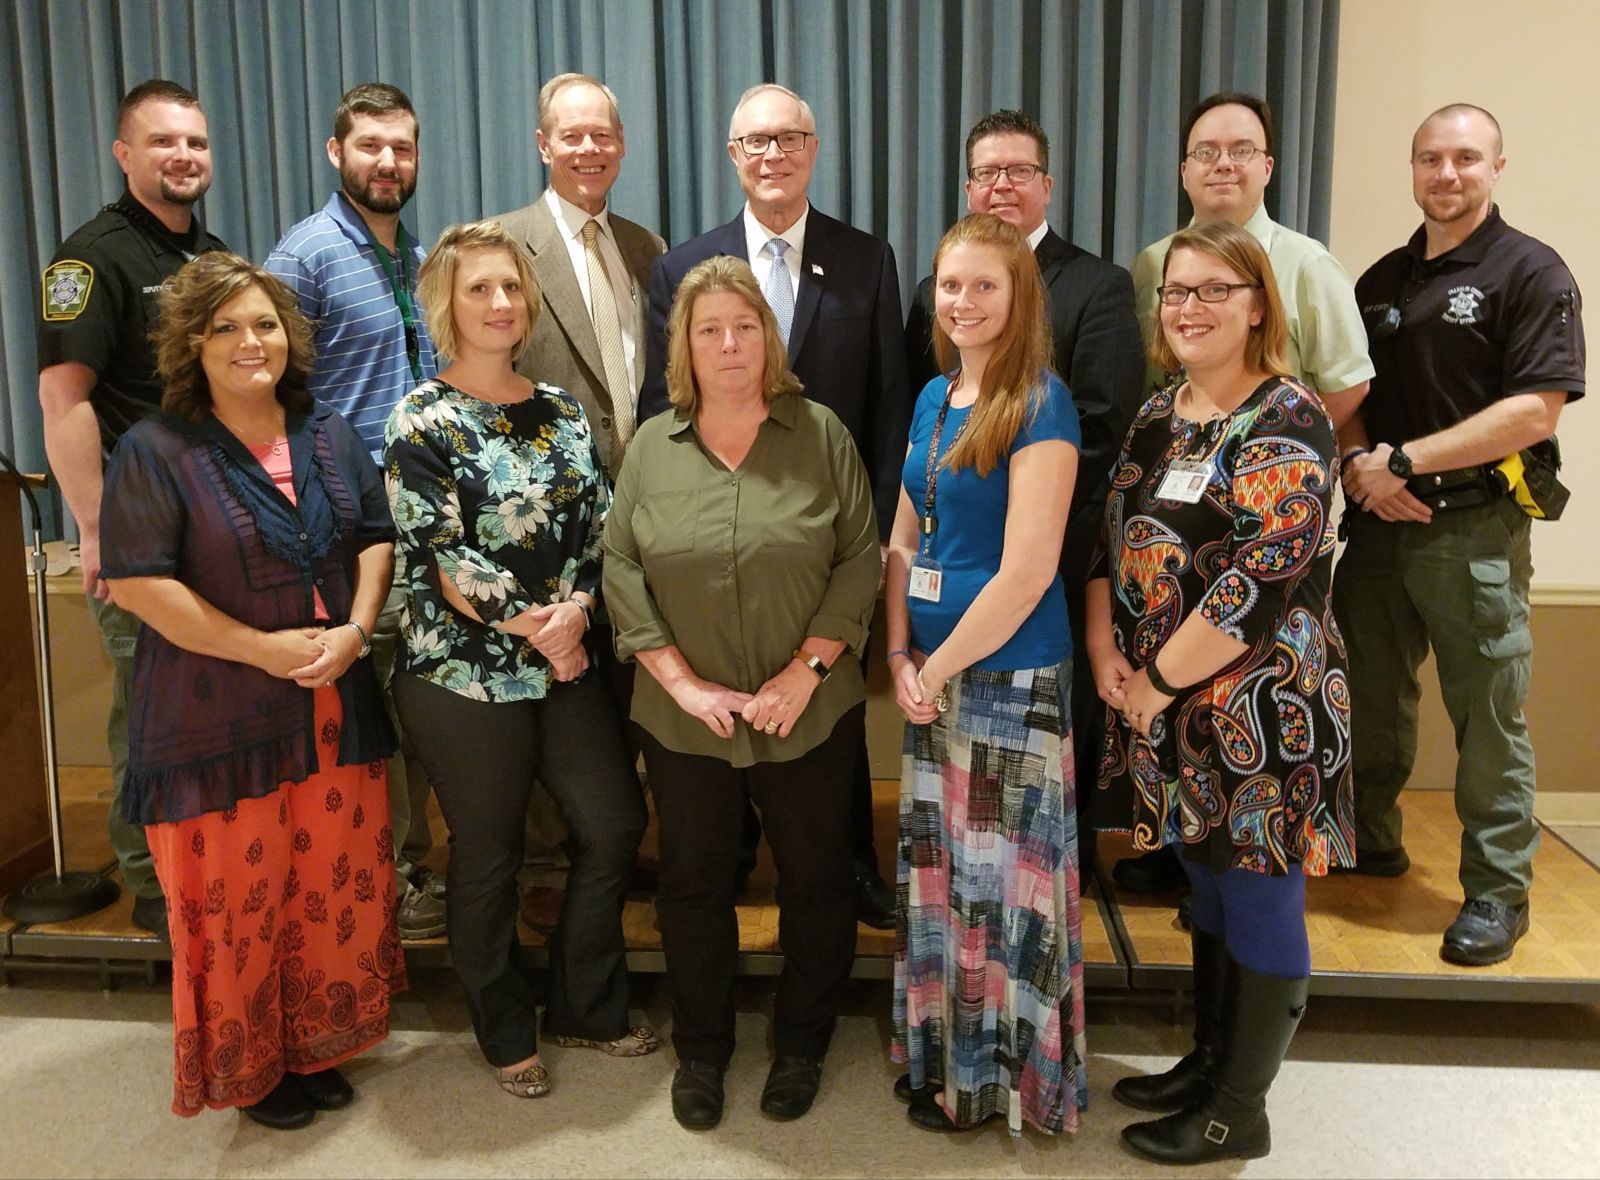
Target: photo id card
1185, 482
927, 578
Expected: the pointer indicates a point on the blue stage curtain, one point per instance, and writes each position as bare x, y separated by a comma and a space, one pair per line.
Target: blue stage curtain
895, 85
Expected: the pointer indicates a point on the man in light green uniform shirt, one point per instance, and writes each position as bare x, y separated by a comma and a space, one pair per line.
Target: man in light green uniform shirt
1227, 163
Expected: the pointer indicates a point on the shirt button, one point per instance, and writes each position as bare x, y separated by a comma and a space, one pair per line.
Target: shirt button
319, 581
605, 423
302, 536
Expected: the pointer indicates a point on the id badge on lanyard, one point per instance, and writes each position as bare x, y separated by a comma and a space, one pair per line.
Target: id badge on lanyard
1185, 481
927, 575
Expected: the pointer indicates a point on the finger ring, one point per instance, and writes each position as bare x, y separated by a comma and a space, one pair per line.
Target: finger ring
771, 727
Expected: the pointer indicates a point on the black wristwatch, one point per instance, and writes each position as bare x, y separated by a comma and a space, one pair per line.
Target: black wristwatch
813, 662
1400, 464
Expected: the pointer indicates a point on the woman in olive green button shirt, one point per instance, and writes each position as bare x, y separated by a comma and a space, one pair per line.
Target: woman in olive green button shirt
741, 569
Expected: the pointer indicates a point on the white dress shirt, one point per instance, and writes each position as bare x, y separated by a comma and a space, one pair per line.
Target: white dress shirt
570, 220
1038, 234
757, 236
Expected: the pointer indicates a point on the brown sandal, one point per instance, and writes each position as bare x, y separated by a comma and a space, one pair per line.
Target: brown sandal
530, 1082
636, 1042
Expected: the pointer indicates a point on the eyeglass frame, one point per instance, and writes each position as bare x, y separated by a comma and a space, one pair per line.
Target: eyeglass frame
772, 139
1163, 301
972, 173
1228, 151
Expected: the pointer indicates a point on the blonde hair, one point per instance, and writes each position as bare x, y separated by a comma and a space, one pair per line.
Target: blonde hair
1238, 250
719, 275
1016, 376
436, 281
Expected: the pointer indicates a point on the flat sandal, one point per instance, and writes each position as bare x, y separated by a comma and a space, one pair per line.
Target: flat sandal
636, 1042
530, 1082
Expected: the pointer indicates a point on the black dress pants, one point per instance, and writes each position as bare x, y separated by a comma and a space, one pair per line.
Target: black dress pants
483, 759
805, 812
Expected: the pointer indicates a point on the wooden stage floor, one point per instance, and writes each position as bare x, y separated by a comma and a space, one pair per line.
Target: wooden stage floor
1368, 937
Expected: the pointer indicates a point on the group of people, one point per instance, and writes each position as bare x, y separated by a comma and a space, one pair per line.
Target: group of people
1100, 507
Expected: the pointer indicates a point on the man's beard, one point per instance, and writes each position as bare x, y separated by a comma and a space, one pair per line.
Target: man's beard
362, 194
173, 196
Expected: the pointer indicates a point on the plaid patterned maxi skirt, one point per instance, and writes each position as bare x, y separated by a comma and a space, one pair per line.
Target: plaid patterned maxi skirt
988, 966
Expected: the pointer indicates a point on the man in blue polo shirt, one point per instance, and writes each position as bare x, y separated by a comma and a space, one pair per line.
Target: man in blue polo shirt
353, 268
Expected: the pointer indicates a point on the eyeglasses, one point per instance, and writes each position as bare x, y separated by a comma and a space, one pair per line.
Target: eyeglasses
1240, 153
788, 141
1015, 173
1176, 294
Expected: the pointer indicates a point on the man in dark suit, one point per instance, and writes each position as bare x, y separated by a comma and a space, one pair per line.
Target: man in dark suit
588, 340
837, 292
1098, 353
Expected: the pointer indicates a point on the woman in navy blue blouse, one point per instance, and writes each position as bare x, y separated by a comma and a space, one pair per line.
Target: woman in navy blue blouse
499, 499
246, 527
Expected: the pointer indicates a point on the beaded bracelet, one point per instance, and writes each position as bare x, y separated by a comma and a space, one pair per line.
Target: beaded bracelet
899, 651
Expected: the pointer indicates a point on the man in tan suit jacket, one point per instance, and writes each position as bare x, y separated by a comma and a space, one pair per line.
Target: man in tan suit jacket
595, 350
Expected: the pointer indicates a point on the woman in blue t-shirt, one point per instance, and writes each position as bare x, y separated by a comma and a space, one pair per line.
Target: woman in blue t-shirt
988, 1006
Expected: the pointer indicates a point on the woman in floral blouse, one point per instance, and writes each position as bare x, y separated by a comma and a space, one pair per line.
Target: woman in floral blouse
499, 500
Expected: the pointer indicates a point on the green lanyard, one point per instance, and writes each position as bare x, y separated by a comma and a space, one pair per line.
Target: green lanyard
402, 295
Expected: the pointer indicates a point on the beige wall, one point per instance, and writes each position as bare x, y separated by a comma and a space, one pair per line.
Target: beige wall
1533, 63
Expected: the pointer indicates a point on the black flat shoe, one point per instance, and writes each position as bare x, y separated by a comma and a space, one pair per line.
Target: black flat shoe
930, 1116
327, 1089
904, 1091
1484, 932
791, 1086
697, 1095
285, 1107
874, 901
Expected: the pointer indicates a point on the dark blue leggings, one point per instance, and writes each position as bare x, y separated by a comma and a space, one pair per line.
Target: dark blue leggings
1262, 919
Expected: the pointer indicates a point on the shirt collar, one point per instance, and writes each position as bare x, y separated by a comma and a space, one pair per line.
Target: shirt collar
572, 219
757, 236
346, 217
1038, 234
1472, 251
135, 211
1261, 226
781, 409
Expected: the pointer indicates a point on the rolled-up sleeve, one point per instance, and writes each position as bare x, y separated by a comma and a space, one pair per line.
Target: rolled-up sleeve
635, 618
845, 611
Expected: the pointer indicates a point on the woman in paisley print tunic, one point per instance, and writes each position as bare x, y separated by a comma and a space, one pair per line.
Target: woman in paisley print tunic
499, 501
245, 526
1213, 641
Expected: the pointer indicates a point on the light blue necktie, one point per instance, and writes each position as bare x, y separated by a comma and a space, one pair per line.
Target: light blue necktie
779, 290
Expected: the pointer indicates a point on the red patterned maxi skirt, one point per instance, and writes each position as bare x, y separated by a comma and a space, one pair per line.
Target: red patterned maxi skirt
282, 912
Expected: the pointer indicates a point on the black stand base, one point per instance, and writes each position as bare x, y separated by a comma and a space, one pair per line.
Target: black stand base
49, 898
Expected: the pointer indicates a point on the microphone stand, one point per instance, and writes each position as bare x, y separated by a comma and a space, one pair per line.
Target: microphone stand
65, 894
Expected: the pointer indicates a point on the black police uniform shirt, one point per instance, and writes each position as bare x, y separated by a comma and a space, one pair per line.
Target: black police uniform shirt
99, 301
1497, 316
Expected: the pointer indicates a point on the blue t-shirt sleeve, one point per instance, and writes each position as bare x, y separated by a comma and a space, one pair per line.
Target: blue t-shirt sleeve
1055, 418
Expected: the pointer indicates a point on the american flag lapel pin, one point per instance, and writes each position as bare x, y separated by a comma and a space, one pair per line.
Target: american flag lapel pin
816, 270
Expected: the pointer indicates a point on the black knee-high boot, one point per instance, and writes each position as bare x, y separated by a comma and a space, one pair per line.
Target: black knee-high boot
1232, 1122
1189, 1082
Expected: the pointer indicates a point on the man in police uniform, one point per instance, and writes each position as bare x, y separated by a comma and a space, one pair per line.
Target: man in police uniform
97, 372
1227, 162
1476, 335
352, 266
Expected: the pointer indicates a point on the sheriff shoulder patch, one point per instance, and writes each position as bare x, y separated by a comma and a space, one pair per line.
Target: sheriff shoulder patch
66, 289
